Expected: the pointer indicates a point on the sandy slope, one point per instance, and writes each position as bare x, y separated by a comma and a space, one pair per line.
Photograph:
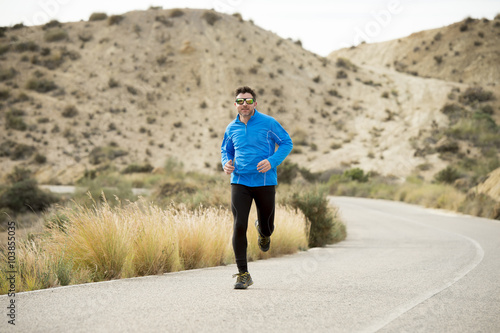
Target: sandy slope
172, 97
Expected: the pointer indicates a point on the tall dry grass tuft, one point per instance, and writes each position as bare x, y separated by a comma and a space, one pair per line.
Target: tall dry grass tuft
155, 243
431, 195
35, 267
204, 237
98, 239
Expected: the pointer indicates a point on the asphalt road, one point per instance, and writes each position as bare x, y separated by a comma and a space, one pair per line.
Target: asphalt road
402, 269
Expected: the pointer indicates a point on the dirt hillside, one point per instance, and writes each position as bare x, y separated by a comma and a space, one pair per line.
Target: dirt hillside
491, 186
465, 51
147, 86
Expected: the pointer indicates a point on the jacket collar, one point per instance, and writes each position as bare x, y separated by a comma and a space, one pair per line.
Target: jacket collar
255, 114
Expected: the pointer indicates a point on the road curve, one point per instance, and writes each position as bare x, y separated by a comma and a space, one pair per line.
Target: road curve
402, 269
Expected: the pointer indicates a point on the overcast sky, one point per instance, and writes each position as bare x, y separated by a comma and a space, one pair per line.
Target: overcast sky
322, 26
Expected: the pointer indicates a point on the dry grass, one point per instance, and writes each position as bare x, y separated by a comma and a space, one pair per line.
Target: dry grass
109, 242
290, 234
204, 237
431, 195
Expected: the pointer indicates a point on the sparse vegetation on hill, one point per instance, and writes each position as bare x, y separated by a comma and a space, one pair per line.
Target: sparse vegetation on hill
98, 67
55, 35
462, 52
98, 17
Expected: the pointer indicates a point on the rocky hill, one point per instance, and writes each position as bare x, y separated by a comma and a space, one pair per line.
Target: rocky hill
148, 86
466, 51
491, 186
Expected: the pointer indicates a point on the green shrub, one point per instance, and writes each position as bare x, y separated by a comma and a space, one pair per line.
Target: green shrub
18, 174
6, 148
447, 175
41, 85
300, 138
26, 196
40, 159
287, 171
22, 152
480, 129
18, 26
438, 59
165, 21
132, 90
161, 60
115, 19
7, 74
138, 168
176, 12
346, 63
488, 109
210, 17
341, 74
69, 111
103, 154
449, 146
356, 174
174, 189
26, 46
85, 36
454, 112
4, 94
14, 121
4, 48
277, 92
98, 16
52, 24
475, 94
238, 17
486, 120
112, 83
55, 35
324, 228
308, 175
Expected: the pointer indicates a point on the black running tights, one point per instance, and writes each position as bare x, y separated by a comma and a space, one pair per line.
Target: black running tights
241, 202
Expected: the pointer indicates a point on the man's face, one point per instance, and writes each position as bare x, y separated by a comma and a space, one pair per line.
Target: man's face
245, 110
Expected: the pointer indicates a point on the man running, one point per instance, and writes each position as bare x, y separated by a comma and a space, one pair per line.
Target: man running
249, 155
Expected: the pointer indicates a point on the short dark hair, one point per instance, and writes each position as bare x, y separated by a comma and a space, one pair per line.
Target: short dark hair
244, 90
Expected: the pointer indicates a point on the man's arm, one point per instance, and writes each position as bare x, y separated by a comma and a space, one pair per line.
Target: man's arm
284, 143
227, 150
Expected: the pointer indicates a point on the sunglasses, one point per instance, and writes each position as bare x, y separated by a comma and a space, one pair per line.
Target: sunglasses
240, 101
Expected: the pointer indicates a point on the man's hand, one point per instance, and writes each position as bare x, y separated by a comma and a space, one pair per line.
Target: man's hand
264, 166
229, 168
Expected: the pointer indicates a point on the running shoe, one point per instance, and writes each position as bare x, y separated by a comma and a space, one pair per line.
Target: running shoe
264, 241
243, 281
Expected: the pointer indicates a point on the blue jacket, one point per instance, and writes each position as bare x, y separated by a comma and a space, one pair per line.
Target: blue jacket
247, 145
